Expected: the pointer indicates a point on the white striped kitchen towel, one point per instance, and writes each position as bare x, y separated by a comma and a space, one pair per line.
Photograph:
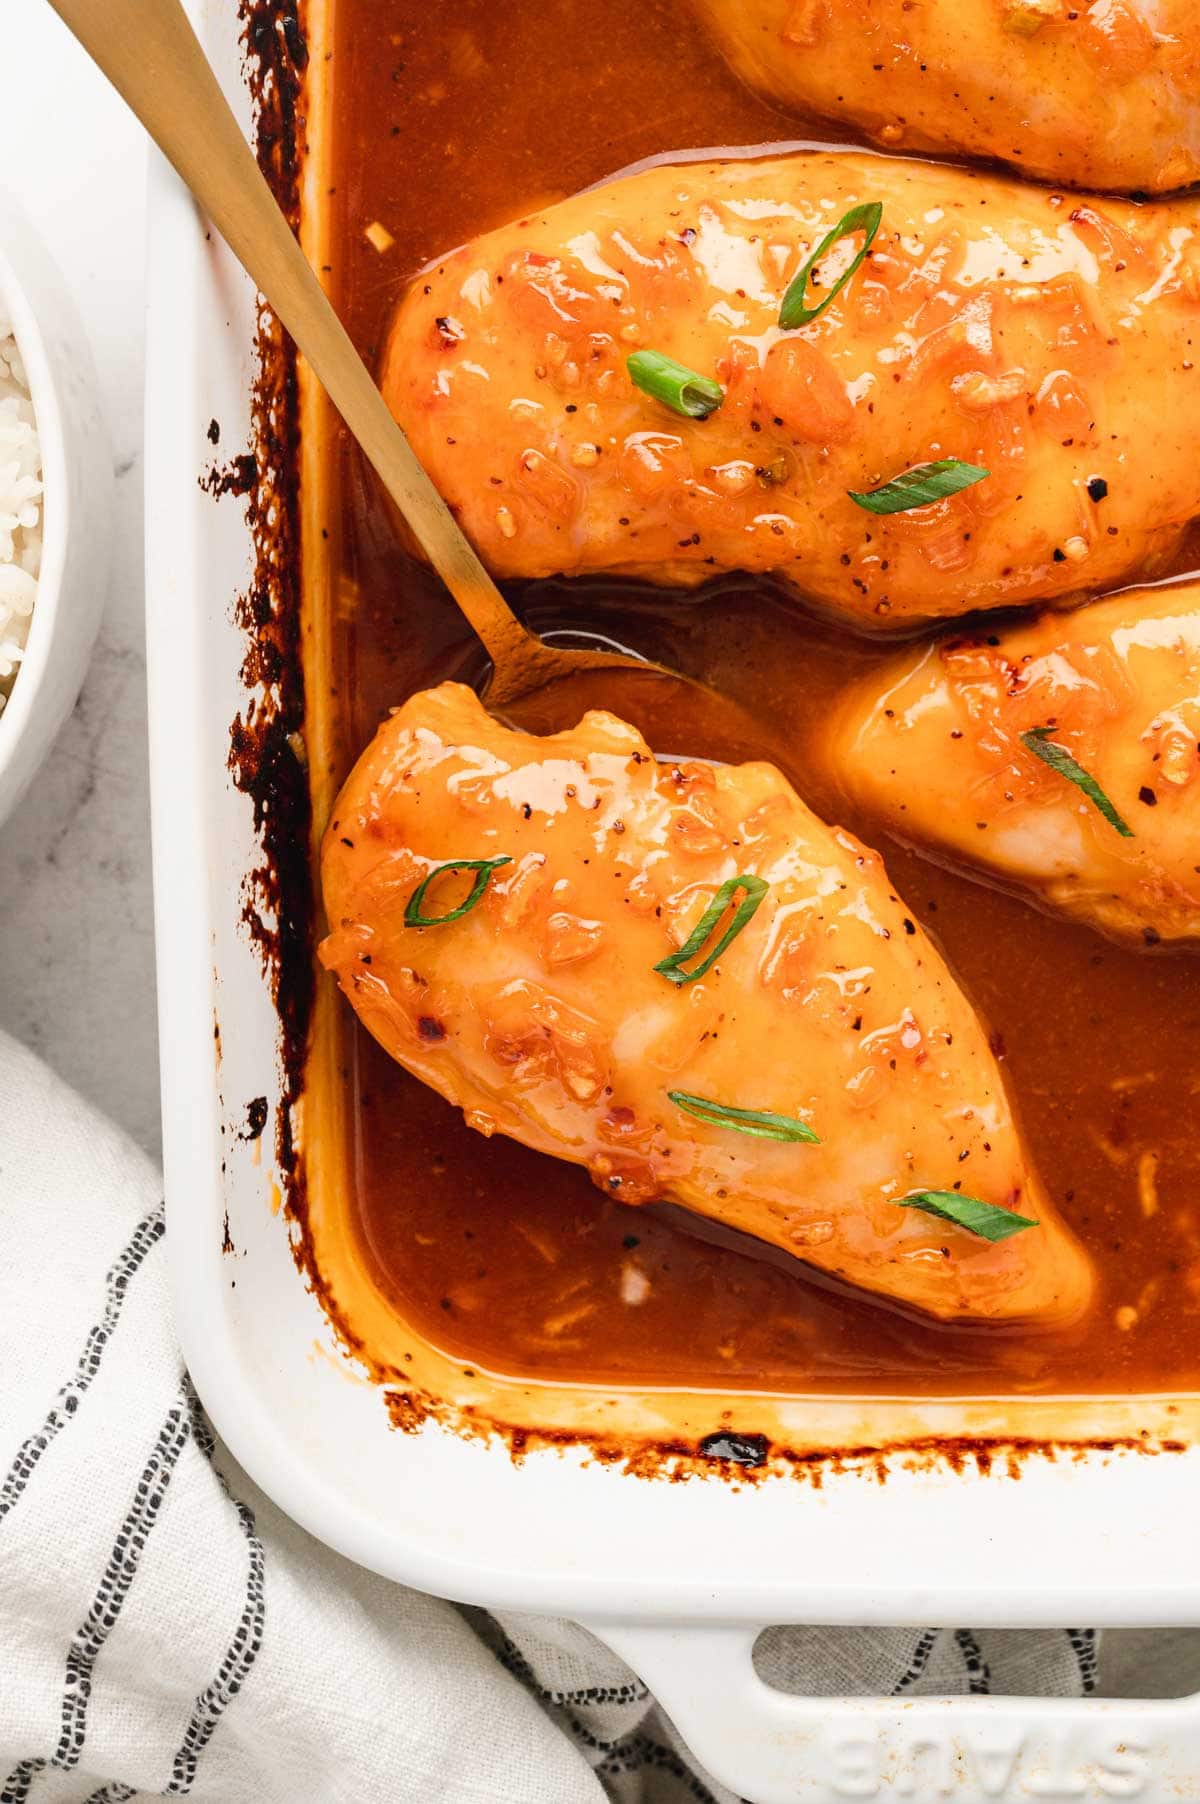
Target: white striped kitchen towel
166, 1632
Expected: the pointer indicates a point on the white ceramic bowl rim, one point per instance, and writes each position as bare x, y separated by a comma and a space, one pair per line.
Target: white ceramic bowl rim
15, 304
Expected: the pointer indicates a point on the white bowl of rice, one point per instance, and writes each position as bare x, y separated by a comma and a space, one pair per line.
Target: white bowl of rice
56, 501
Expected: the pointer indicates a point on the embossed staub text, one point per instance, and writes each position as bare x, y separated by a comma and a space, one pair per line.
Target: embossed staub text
1032, 1766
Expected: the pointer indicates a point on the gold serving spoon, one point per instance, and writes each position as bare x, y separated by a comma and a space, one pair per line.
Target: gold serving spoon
151, 55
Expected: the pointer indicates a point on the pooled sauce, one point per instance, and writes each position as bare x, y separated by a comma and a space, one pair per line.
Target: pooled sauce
513, 1261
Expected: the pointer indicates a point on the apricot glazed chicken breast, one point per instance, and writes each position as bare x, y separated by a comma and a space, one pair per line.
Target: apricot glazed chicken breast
1094, 93
1062, 755
675, 975
898, 388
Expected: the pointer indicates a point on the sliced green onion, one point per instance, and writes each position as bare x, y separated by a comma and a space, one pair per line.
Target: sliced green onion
794, 311
755, 889
919, 486
984, 1219
1037, 740
483, 867
743, 1121
682, 390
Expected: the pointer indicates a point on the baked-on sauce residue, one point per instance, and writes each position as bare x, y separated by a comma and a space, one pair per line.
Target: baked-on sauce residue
513, 1261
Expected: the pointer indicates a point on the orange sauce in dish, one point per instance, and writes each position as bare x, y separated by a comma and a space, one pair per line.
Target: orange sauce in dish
515, 1262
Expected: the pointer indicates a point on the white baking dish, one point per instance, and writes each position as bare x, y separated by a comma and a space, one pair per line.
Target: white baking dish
679, 1578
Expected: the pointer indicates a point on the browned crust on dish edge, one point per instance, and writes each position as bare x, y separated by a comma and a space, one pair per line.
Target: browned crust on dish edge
266, 737
750, 1458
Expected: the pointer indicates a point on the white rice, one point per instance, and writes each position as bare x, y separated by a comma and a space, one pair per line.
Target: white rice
20, 510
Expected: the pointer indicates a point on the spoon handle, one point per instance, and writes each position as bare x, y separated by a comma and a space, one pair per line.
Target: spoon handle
151, 55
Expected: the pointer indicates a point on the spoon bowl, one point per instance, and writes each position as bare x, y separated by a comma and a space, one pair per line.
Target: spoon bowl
654, 700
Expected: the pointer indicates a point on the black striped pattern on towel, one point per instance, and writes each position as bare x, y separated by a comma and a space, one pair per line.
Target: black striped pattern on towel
1082, 1643
183, 1423
1087, 1656
631, 1751
979, 1678
918, 1661
239, 1657
116, 1288
243, 1649
108, 1602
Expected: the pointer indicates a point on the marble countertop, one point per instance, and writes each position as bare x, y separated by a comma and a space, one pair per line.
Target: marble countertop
76, 933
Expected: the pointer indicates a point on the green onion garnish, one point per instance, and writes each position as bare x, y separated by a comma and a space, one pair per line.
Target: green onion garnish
984, 1219
743, 1121
755, 889
1037, 740
483, 867
794, 311
919, 486
677, 387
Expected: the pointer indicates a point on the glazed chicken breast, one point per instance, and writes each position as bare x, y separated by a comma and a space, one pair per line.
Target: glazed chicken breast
821, 1070
1094, 93
956, 748
1045, 340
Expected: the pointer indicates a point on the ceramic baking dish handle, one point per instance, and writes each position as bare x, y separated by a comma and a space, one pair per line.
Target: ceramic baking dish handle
772, 1748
